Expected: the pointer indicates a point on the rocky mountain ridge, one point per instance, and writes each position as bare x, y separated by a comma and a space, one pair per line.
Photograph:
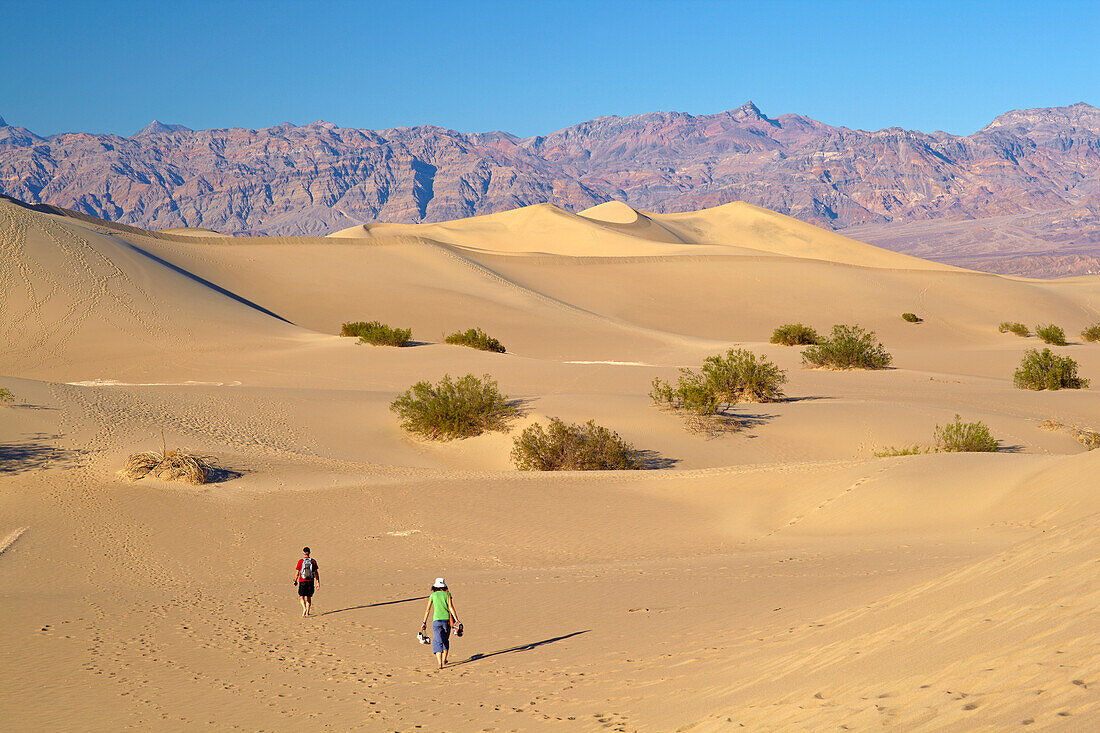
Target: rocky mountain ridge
316, 178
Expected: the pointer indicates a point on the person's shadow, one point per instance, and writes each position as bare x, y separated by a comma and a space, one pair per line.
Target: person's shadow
373, 605
521, 648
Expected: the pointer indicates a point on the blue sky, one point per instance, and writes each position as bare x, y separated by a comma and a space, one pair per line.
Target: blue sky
532, 68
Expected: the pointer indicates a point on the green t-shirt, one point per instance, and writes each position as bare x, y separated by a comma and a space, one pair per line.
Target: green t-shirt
439, 602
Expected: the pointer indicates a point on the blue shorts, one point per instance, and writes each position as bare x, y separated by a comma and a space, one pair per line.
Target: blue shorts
441, 635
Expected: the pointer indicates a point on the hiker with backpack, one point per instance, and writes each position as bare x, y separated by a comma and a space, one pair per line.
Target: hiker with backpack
307, 580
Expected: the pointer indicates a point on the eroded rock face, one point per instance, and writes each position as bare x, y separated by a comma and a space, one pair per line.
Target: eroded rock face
317, 178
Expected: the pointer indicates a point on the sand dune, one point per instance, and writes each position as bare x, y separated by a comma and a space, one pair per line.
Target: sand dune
192, 232
779, 577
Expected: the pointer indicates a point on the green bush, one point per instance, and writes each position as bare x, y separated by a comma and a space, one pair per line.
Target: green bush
690, 393
475, 338
1092, 333
740, 376
849, 347
723, 381
1051, 334
452, 409
1014, 327
376, 333
1046, 370
6, 397
969, 437
794, 334
911, 317
561, 447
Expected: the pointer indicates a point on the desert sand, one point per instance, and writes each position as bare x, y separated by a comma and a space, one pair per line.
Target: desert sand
780, 577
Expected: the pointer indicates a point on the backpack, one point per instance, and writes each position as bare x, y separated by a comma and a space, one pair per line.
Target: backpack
307, 569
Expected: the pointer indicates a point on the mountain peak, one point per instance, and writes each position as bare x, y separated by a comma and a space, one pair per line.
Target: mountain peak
3, 123
156, 127
749, 112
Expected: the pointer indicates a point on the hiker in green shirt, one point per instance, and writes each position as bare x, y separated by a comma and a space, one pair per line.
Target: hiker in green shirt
441, 608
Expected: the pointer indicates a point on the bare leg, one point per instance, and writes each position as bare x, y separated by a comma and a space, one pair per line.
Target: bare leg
302, 599
308, 604
440, 657
444, 660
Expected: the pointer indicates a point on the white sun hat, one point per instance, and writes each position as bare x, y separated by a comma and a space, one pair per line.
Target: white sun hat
439, 583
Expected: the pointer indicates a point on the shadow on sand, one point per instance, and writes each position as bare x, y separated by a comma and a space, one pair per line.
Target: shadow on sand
374, 605
203, 281
522, 648
29, 456
218, 475
654, 461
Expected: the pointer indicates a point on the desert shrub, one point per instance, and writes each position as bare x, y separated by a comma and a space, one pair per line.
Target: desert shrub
6, 397
1092, 333
376, 333
1051, 334
969, 437
705, 395
849, 347
562, 447
794, 334
475, 338
1014, 327
168, 465
739, 376
1046, 370
451, 409
957, 436
911, 317
690, 393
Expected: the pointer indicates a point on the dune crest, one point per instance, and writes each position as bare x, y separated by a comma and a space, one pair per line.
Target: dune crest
613, 229
612, 212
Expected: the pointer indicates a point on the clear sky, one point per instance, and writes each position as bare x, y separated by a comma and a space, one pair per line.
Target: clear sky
534, 67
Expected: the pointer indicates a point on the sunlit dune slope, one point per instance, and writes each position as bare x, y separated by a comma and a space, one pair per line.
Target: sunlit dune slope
730, 273
614, 229
71, 293
607, 284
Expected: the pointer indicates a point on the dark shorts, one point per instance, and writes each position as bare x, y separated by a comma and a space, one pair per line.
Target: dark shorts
441, 636
305, 588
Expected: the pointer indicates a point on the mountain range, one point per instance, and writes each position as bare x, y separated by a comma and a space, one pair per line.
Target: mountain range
1020, 195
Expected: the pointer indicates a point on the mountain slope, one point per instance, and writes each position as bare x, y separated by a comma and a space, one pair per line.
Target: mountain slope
318, 178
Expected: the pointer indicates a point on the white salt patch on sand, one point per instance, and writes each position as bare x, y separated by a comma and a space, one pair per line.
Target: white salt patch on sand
615, 363
403, 532
116, 383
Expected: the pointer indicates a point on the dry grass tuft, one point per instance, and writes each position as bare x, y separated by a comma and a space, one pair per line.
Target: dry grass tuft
1088, 438
168, 465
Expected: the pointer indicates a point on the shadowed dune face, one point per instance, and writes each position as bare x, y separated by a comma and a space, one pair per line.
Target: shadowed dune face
780, 577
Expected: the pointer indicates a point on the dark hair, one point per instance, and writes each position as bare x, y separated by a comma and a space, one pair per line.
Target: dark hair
434, 589
305, 550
